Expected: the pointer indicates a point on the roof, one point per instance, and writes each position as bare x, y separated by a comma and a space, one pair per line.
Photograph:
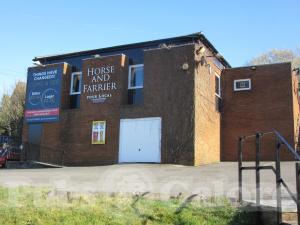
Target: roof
187, 38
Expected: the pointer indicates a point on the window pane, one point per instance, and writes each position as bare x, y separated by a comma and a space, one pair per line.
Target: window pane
137, 76
218, 103
242, 84
76, 83
217, 85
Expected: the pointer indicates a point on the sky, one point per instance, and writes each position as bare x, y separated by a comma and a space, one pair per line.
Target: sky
239, 29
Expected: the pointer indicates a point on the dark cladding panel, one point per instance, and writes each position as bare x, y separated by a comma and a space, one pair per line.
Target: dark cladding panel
34, 141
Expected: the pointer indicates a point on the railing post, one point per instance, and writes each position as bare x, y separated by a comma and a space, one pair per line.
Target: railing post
298, 189
240, 159
257, 164
63, 157
278, 181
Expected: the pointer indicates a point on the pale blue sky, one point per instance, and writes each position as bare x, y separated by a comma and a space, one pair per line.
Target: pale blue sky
239, 29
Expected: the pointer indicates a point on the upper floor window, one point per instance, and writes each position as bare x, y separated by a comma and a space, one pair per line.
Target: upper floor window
242, 84
218, 85
217, 92
135, 84
75, 90
76, 83
136, 76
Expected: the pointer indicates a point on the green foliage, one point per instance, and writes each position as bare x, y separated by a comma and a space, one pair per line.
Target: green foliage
33, 206
277, 56
12, 110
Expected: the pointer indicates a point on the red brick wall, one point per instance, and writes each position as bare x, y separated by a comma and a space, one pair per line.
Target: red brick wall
169, 94
267, 106
207, 117
77, 123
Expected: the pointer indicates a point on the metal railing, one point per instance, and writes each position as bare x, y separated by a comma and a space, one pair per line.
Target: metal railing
4, 139
279, 141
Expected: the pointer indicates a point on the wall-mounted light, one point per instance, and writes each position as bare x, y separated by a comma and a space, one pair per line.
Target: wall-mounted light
185, 66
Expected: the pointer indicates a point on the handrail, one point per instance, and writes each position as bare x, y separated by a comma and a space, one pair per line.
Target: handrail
289, 147
254, 135
279, 141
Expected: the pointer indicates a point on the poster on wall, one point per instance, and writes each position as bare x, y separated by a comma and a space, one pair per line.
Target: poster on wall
43, 94
98, 132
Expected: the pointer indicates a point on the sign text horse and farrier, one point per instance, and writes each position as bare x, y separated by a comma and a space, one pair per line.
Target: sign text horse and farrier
99, 85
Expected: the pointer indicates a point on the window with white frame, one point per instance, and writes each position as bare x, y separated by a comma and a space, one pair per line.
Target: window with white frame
218, 85
135, 84
136, 76
75, 83
242, 84
75, 90
217, 92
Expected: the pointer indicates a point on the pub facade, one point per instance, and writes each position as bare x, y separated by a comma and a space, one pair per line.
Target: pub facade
162, 101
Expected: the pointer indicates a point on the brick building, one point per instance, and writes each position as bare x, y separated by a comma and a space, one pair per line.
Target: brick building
172, 100
271, 102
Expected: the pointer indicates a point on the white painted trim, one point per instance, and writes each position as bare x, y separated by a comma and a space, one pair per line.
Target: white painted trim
219, 77
241, 89
72, 75
129, 76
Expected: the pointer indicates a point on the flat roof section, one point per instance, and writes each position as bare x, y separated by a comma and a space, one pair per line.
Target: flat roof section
191, 38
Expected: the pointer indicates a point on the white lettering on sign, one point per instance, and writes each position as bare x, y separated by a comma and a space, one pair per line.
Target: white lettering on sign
45, 75
100, 80
101, 70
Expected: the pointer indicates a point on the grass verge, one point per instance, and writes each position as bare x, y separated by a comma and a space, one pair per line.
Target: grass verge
36, 206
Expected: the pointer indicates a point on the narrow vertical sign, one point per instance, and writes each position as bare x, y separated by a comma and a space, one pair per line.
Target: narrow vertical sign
98, 132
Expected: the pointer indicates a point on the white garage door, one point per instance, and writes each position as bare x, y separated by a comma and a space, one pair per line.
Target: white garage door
140, 140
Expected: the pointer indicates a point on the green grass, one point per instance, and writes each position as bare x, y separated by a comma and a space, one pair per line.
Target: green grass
36, 206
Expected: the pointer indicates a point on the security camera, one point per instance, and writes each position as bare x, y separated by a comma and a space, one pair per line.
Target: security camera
201, 50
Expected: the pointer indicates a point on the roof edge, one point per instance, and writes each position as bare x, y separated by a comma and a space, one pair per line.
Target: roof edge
198, 35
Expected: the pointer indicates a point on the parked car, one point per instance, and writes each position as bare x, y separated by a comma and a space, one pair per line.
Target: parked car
3, 157
9, 153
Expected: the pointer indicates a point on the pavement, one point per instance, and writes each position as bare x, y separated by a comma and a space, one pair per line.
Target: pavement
159, 180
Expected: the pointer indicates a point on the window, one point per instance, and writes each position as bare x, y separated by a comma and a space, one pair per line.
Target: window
242, 85
217, 85
135, 84
75, 90
75, 83
136, 76
217, 92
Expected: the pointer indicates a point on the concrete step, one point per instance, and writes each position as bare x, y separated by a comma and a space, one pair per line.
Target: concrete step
268, 212
290, 218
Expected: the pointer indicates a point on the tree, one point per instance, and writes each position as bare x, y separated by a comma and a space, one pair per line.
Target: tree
278, 56
5, 115
12, 111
